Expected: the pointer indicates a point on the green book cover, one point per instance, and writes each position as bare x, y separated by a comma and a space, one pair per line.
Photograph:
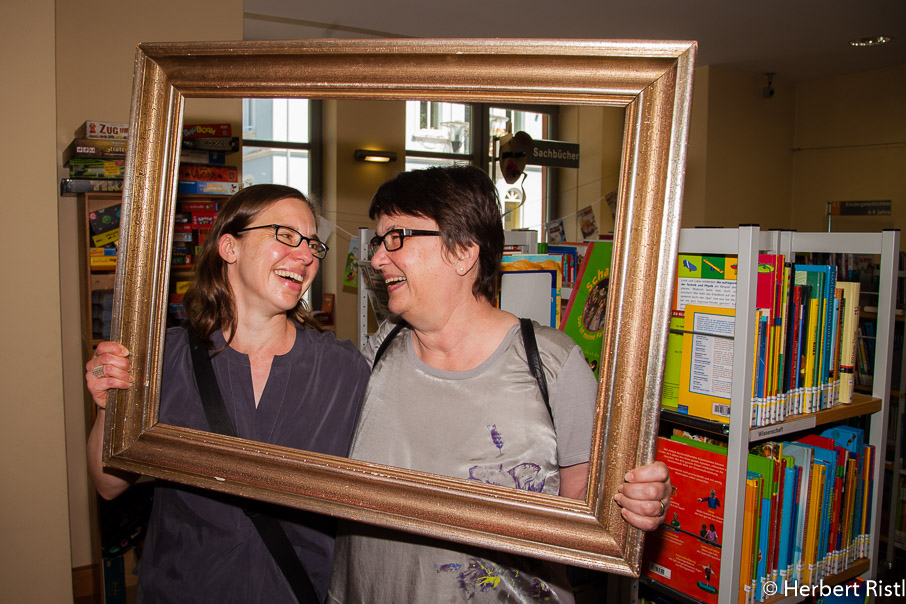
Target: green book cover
702, 280
583, 319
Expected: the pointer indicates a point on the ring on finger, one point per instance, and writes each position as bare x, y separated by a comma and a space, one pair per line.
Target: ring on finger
663, 507
98, 372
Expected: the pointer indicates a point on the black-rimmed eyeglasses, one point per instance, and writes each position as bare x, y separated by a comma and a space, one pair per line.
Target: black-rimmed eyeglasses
293, 238
393, 239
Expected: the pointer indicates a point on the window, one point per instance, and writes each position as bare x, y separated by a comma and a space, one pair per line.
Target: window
443, 134
281, 144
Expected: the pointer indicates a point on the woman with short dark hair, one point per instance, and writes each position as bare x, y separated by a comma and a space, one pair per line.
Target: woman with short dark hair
452, 393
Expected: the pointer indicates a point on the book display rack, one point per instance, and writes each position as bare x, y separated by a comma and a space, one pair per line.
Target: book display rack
744, 430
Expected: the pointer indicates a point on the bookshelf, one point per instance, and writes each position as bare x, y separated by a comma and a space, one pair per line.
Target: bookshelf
93, 280
746, 243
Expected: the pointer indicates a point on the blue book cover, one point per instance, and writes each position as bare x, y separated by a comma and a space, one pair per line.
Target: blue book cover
827, 322
850, 438
762, 356
803, 457
786, 519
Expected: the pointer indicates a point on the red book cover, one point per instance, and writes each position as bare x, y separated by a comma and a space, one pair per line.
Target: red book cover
684, 552
208, 172
197, 206
203, 219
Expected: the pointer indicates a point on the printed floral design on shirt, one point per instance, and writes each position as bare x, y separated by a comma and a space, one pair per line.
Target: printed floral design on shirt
485, 581
526, 476
496, 437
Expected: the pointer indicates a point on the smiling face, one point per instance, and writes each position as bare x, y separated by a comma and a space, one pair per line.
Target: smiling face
268, 277
421, 278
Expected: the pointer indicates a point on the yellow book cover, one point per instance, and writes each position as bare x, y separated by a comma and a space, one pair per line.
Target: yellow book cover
746, 576
810, 549
811, 359
848, 338
706, 368
852, 475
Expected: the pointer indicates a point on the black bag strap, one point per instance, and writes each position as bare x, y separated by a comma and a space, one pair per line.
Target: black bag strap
534, 360
270, 529
380, 351
531, 351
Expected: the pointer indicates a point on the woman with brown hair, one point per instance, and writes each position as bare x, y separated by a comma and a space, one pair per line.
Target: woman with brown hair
277, 375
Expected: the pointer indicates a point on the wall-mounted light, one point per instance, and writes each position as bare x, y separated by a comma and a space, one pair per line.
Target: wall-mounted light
374, 155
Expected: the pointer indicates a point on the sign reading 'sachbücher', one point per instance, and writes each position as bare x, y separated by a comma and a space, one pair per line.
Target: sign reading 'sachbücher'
554, 154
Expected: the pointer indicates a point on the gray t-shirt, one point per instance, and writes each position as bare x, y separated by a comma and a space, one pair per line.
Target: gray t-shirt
488, 424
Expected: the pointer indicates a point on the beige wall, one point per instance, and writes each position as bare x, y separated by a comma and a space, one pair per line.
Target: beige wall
352, 125
95, 53
34, 558
748, 151
850, 140
599, 132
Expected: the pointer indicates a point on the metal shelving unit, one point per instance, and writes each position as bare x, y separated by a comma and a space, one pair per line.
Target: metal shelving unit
746, 243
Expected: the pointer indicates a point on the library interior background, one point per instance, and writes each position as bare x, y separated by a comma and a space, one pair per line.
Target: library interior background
790, 257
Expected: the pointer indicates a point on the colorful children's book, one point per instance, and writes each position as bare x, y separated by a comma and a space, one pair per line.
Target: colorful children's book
748, 532
700, 280
583, 319
851, 309
684, 552
826, 325
803, 457
763, 466
530, 286
706, 368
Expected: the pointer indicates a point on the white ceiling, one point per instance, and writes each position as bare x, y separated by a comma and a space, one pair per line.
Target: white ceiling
796, 39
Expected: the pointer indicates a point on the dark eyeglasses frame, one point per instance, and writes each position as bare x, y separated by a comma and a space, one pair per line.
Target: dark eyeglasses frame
317, 248
377, 240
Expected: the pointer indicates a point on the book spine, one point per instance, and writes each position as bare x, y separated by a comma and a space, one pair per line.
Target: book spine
205, 187
207, 131
96, 129
96, 168
89, 147
205, 172
214, 143
195, 156
90, 185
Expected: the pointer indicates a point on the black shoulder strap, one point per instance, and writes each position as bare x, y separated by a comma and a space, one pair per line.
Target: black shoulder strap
534, 360
380, 351
270, 529
214, 409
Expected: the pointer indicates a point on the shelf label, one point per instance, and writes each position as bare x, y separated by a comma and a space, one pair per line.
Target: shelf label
775, 430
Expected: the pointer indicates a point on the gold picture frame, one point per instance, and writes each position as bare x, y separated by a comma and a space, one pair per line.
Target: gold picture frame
651, 80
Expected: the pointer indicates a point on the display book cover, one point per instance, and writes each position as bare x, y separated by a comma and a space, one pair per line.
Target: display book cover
704, 280
583, 319
530, 286
706, 363
684, 552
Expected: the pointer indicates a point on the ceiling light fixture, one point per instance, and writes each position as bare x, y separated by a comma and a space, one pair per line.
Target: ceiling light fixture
870, 41
374, 155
